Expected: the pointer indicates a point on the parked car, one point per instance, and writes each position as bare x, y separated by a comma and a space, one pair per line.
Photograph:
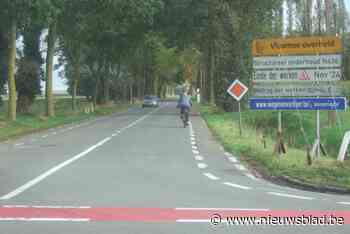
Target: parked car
150, 101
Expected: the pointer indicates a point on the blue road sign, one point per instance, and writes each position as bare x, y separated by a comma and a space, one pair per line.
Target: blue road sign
337, 103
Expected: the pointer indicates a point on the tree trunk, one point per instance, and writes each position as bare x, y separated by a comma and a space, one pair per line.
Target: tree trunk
131, 93
11, 72
212, 74
50, 109
96, 91
74, 94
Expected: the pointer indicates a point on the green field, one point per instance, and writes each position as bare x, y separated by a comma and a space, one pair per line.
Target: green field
35, 120
249, 147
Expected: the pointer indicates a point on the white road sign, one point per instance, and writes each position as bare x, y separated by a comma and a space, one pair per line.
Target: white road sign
297, 75
299, 89
288, 62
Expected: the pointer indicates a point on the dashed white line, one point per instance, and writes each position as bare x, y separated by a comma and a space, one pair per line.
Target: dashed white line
240, 167
237, 186
233, 159
343, 203
251, 176
195, 151
211, 176
193, 143
202, 165
194, 147
290, 196
199, 158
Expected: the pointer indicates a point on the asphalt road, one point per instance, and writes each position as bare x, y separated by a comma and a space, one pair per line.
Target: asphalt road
140, 172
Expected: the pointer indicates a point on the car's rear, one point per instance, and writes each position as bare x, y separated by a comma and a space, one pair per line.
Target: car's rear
150, 101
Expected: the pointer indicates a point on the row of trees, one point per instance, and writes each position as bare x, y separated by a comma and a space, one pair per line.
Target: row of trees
116, 49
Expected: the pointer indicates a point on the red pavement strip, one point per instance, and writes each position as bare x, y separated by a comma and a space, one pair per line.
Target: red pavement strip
147, 214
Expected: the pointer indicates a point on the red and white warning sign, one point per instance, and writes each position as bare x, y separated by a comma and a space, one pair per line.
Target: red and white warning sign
237, 90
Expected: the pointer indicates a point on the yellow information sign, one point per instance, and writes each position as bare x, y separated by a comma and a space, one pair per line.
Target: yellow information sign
297, 46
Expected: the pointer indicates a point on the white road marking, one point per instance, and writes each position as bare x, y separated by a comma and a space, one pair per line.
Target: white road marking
211, 176
19, 144
45, 136
251, 176
52, 171
193, 138
233, 159
240, 167
221, 209
343, 203
195, 151
44, 219
115, 134
54, 133
193, 143
194, 147
228, 154
198, 158
16, 206
47, 207
193, 221
70, 128
237, 186
202, 165
290, 196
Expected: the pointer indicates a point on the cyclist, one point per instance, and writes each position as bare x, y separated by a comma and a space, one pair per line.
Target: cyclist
185, 104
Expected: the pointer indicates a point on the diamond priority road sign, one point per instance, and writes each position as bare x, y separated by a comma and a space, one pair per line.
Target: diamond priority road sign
337, 103
237, 90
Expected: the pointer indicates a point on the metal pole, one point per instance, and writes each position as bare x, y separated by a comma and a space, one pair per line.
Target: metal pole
280, 122
240, 118
318, 135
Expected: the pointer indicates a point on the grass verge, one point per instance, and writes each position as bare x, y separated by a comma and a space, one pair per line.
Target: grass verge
325, 172
35, 121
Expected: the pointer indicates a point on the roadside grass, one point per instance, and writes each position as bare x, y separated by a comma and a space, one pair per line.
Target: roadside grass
36, 121
326, 171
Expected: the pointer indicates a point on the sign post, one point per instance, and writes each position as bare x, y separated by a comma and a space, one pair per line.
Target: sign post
237, 90
299, 73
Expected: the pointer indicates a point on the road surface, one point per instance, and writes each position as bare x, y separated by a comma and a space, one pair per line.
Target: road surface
139, 172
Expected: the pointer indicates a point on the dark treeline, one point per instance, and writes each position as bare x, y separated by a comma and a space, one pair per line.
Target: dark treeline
122, 50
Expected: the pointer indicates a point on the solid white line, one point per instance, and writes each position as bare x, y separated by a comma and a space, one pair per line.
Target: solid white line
198, 158
290, 196
195, 151
193, 221
202, 165
47, 207
211, 176
237, 186
240, 167
221, 209
233, 159
343, 203
44, 219
52, 171
16, 206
